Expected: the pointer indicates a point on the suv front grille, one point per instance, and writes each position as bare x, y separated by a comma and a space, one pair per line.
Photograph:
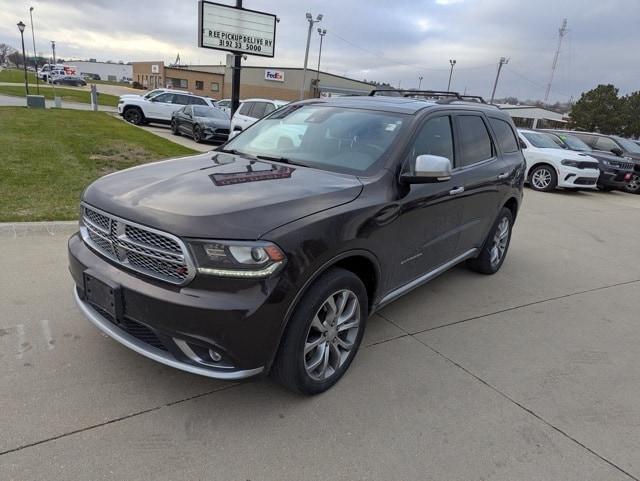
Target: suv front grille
148, 251
621, 164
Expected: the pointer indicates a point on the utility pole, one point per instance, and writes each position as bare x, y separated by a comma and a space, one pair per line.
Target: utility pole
452, 63
312, 22
322, 32
562, 31
35, 52
24, 57
420, 81
503, 61
235, 76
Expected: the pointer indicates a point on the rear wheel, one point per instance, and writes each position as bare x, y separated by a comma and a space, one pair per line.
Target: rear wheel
324, 333
134, 115
495, 246
543, 178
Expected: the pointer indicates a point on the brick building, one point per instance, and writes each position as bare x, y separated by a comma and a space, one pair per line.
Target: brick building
268, 82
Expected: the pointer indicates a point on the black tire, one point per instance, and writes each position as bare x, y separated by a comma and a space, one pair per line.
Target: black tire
133, 115
197, 134
548, 172
484, 263
290, 366
604, 188
174, 128
633, 187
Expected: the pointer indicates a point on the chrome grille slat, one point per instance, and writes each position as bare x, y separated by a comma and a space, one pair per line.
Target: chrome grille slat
148, 251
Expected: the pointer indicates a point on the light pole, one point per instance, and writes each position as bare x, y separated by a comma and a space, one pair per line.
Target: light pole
24, 57
322, 32
420, 81
312, 22
452, 63
35, 52
503, 61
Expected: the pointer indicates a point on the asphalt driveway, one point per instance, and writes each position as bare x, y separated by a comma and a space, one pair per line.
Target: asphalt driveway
531, 374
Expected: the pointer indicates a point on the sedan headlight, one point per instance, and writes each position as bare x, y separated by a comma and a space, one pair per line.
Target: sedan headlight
251, 260
570, 163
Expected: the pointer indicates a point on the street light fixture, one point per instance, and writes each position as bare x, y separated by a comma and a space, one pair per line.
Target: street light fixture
322, 32
35, 52
312, 22
420, 81
24, 57
452, 62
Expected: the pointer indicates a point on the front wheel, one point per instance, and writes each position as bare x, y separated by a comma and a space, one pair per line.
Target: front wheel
495, 246
134, 115
543, 178
174, 127
633, 187
324, 333
197, 134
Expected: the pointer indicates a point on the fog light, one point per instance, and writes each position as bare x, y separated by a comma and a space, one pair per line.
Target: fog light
215, 356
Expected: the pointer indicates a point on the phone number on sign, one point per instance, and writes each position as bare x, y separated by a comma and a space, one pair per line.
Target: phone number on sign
239, 45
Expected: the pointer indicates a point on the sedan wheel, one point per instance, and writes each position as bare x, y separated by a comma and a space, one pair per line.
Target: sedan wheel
174, 128
543, 178
197, 134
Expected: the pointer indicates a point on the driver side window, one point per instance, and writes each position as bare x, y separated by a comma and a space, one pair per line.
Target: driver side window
434, 138
166, 98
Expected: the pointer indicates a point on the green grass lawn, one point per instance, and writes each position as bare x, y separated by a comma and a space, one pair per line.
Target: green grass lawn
49, 157
70, 95
16, 76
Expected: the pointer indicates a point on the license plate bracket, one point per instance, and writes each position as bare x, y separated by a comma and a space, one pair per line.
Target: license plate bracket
105, 295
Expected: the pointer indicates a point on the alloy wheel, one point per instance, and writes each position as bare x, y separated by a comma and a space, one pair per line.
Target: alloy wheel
332, 335
541, 178
500, 241
634, 184
197, 136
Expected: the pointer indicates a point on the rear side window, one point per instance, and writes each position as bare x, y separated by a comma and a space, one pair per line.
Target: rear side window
259, 110
245, 109
474, 139
181, 99
198, 101
505, 136
434, 138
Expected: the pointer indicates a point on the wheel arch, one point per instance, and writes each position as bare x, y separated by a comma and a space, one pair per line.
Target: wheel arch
538, 164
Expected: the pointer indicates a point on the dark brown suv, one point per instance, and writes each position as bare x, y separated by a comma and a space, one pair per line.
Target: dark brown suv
270, 253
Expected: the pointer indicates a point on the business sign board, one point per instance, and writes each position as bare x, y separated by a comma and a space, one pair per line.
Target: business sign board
275, 75
237, 30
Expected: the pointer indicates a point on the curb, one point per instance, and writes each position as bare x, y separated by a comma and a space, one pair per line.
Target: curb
49, 228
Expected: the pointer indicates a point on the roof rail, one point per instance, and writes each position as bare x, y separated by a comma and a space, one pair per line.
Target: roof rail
444, 96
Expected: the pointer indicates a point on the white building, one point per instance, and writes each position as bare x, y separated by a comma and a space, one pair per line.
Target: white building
114, 72
532, 117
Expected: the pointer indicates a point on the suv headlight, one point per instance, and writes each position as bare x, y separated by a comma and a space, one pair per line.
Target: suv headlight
251, 260
570, 163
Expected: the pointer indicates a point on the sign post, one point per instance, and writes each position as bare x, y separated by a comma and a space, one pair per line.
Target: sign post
236, 30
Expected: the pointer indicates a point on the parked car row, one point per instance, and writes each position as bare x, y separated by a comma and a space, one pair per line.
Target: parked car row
579, 160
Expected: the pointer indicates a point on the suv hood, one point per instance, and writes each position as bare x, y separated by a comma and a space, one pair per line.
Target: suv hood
218, 195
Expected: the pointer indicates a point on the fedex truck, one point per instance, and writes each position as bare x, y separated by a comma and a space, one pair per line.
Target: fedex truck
50, 71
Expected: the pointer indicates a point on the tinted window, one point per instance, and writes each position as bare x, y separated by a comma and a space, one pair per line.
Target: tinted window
198, 101
588, 139
166, 98
181, 99
505, 136
259, 109
475, 143
434, 138
245, 109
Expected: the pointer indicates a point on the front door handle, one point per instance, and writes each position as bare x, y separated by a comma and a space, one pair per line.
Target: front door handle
456, 191
504, 175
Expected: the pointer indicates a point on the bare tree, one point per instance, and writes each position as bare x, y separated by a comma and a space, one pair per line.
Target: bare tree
5, 51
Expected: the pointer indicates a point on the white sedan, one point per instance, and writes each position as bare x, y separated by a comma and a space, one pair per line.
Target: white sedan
549, 166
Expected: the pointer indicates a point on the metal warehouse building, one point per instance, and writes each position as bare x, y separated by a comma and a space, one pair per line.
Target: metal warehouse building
114, 72
268, 82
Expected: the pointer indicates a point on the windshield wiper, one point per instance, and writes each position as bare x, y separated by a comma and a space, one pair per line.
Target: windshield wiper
284, 160
236, 152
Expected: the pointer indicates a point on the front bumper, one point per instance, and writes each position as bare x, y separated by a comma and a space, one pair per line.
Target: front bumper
571, 177
216, 135
239, 320
616, 179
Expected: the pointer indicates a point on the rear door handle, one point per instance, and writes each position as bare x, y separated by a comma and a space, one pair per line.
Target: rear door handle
456, 191
504, 175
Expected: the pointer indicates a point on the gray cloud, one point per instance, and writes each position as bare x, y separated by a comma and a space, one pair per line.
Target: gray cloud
393, 41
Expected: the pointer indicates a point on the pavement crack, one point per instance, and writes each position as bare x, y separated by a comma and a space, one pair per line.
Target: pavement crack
119, 419
529, 411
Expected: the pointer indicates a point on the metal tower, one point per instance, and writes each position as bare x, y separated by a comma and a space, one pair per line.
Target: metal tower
561, 34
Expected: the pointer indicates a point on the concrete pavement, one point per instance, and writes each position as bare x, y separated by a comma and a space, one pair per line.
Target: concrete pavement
530, 374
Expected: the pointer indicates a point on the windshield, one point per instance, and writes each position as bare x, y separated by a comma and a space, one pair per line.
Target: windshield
209, 112
325, 137
542, 141
628, 145
574, 143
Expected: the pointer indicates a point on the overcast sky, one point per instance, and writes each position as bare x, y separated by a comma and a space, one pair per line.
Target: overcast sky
395, 41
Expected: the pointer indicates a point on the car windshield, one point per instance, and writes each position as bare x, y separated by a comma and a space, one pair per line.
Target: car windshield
326, 137
628, 145
541, 141
209, 112
574, 143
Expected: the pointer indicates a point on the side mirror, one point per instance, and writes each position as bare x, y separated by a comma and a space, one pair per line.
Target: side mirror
428, 169
522, 144
618, 151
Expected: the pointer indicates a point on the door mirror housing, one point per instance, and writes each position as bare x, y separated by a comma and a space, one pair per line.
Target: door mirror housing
617, 151
428, 169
